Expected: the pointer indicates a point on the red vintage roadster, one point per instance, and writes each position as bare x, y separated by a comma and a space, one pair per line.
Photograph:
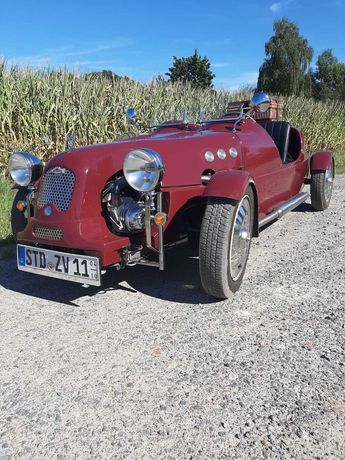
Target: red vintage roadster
216, 182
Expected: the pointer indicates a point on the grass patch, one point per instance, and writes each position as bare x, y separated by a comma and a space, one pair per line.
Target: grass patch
7, 195
339, 158
8, 251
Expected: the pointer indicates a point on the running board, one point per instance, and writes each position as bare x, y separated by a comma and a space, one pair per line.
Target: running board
289, 205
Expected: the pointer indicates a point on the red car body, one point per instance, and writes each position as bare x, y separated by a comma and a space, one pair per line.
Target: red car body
251, 159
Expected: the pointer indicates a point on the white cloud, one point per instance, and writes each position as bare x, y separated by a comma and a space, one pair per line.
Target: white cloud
88, 63
235, 82
275, 7
220, 65
56, 56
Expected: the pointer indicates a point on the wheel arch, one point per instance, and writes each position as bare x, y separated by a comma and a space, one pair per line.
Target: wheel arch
321, 160
232, 185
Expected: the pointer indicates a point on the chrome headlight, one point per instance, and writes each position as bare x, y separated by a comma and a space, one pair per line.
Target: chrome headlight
143, 169
24, 168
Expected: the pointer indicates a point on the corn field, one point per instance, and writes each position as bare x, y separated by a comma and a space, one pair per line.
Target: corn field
38, 108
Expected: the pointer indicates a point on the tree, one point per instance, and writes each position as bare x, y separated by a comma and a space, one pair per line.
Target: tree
193, 69
107, 75
329, 77
286, 66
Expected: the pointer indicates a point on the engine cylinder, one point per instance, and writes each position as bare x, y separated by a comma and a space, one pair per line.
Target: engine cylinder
125, 213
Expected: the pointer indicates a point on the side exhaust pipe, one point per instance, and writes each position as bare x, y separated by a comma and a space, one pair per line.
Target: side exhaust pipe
284, 208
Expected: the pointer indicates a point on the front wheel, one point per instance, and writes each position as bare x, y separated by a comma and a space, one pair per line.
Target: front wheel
321, 186
225, 238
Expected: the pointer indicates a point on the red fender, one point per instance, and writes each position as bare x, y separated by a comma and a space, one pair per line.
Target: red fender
322, 160
233, 184
228, 184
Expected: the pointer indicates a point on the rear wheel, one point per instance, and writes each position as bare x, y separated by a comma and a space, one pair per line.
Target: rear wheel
321, 186
18, 219
224, 244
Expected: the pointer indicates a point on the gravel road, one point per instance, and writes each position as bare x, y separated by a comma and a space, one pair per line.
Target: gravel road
151, 367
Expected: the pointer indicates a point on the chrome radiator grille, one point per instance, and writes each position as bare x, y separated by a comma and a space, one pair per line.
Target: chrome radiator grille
48, 233
56, 187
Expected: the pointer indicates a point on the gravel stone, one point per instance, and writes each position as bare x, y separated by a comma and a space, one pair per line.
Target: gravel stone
149, 366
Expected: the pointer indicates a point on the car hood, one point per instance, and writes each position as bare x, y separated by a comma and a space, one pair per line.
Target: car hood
182, 152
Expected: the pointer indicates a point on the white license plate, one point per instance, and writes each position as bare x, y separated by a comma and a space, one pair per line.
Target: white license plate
72, 267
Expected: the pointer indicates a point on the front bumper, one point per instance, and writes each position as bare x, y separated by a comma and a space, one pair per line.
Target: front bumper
87, 236
90, 236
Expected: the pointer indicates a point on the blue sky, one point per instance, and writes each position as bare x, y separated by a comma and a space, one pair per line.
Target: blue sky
139, 39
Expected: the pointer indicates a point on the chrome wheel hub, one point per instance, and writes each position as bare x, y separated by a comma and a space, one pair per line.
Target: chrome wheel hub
328, 183
240, 239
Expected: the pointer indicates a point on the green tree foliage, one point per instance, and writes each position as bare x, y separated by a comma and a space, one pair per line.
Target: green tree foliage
107, 75
193, 69
288, 57
329, 77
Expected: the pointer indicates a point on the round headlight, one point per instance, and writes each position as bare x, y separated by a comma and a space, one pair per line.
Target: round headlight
24, 168
143, 169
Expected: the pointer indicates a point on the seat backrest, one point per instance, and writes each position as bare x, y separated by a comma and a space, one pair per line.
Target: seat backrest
295, 145
280, 132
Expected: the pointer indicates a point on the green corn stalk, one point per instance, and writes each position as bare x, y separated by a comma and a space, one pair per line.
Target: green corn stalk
38, 108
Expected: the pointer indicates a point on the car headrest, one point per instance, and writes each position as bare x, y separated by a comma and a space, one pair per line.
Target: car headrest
279, 131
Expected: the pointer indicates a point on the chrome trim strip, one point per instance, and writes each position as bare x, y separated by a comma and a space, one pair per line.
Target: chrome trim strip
205, 178
148, 220
160, 233
148, 233
289, 205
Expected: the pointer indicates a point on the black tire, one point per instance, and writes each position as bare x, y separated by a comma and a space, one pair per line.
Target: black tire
18, 219
321, 185
216, 236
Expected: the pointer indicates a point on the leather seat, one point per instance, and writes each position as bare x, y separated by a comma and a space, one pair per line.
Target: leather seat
280, 132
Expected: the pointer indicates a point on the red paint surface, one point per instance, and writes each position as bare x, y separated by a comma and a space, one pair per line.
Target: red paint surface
229, 184
320, 161
183, 153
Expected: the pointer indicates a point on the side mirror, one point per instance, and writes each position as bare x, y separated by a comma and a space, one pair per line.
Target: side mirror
260, 102
132, 116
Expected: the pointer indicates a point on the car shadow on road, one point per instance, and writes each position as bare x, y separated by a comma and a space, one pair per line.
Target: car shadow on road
304, 207
180, 282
